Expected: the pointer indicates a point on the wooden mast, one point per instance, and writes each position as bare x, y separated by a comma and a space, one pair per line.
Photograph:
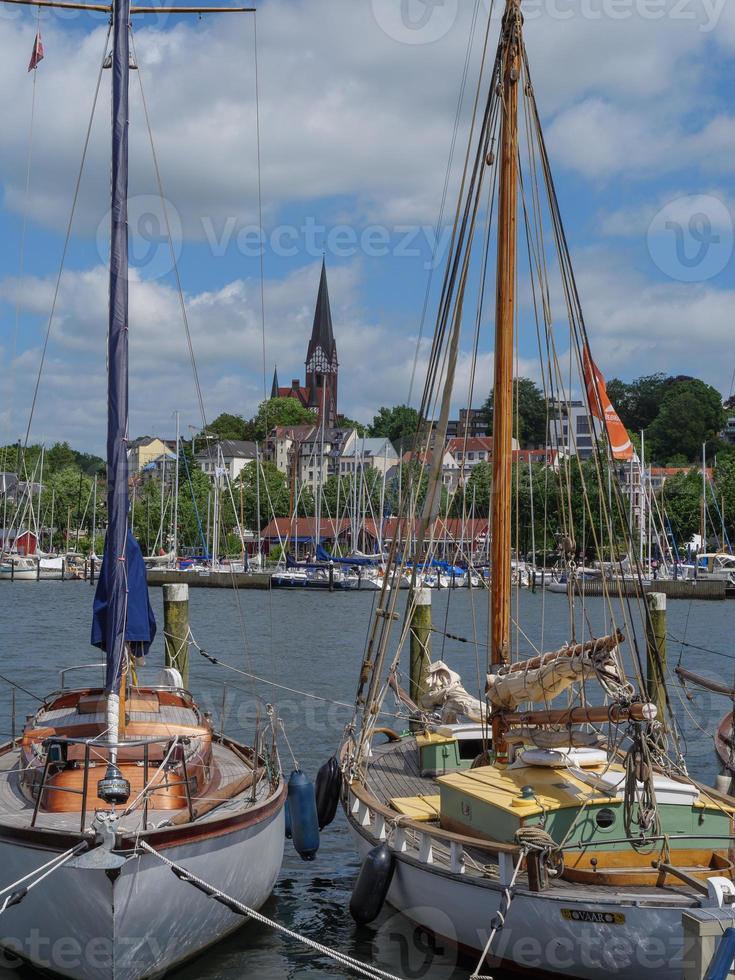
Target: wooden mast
500, 593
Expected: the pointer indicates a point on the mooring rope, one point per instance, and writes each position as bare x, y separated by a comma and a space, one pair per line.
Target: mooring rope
17, 894
499, 919
186, 876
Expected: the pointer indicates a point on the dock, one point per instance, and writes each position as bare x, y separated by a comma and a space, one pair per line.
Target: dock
210, 580
710, 591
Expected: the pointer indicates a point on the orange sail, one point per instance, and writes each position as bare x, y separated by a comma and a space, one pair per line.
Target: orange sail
602, 409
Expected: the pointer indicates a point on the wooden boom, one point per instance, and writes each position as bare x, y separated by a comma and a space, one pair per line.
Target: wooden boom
578, 716
687, 675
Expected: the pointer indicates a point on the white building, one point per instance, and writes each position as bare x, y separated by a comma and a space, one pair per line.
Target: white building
226, 459
571, 429
358, 452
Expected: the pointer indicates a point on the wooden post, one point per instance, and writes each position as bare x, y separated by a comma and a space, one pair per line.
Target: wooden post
656, 651
176, 627
420, 642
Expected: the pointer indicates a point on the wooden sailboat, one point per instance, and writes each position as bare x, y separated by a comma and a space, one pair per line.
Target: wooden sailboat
515, 826
108, 781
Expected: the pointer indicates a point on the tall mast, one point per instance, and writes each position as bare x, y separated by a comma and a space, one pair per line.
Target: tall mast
500, 593
176, 491
504, 331
117, 410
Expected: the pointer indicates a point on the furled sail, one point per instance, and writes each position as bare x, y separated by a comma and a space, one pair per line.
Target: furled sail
542, 679
444, 691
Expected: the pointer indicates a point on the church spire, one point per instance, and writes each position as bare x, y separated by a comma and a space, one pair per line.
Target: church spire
274, 386
321, 357
322, 336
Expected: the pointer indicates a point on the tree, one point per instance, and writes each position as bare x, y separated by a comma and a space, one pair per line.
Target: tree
474, 498
347, 423
411, 478
274, 494
691, 414
60, 457
682, 501
639, 402
399, 424
529, 413
725, 490
227, 426
69, 490
278, 411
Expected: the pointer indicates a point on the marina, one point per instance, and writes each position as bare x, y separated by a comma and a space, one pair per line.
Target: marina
511, 750
314, 898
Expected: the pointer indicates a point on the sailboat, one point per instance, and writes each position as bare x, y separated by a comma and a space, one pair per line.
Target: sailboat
110, 784
547, 821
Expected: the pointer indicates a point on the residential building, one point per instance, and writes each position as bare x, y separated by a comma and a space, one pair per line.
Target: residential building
360, 453
319, 391
163, 467
728, 433
226, 459
472, 421
146, 449
571, 428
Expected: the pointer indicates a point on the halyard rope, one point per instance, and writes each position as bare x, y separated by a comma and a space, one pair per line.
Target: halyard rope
186, 876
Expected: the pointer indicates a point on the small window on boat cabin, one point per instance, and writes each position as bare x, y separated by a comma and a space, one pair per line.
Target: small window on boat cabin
470, 748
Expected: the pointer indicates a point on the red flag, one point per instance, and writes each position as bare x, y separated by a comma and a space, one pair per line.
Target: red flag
601, 407
37, 52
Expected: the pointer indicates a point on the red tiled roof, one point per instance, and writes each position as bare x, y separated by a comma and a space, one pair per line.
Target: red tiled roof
473, 444
304, 527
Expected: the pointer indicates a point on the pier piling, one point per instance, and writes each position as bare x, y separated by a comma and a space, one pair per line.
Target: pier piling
176, 627
420, 642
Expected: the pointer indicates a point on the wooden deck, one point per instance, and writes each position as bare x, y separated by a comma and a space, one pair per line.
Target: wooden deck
394, 772
16, 810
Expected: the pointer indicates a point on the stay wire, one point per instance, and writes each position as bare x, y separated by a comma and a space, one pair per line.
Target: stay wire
67, 239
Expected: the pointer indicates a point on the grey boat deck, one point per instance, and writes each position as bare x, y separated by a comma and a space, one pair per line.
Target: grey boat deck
394, 772
16, 810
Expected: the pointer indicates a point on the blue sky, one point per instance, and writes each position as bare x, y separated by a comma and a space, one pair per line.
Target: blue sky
356, 112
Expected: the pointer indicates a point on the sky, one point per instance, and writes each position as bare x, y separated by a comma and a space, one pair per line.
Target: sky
356, 109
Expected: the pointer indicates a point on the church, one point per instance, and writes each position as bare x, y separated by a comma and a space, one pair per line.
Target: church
319, 391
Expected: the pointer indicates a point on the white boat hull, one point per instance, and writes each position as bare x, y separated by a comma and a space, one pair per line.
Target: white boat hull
80, 923
550, 933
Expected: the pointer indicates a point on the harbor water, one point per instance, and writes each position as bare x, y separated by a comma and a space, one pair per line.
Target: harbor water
313, 643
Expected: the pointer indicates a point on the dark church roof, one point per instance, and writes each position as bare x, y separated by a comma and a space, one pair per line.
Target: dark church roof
322, 335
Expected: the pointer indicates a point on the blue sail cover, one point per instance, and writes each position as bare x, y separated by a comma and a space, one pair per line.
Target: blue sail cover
323, 555
140, 624
114, 581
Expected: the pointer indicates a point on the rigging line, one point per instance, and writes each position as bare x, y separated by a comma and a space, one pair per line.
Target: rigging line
445, 189
347, 961
24, 226
172, 251
260, 209
67, 239
23, 689
694, 646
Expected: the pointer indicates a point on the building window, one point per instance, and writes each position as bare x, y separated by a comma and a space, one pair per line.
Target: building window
583, 424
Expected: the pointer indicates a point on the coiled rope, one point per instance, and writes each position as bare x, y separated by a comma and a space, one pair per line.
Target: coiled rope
238, 907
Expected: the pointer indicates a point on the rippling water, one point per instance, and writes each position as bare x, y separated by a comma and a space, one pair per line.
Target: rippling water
314, 641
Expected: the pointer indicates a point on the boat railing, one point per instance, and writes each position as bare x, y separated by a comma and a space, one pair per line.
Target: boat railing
67, 670
62, 742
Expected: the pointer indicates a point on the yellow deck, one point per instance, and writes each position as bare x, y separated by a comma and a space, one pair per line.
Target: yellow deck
421, 808
554, 789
